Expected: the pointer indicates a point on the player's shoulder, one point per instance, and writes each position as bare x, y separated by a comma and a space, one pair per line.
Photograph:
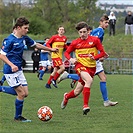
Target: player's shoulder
9, 39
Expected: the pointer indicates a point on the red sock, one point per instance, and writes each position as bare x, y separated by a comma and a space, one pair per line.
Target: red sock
70, 95
86, 95
49, 80
56, 76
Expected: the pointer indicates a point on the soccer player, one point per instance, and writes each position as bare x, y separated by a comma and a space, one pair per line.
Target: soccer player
45, 63
98, 32
86, 50
11, 53
57, 41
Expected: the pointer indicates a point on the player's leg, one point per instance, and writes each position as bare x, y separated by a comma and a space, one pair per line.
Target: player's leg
87, 82
2, 80
71, 94
42, 71
57, 74
51, 77
22, 92
103, 87
67, 75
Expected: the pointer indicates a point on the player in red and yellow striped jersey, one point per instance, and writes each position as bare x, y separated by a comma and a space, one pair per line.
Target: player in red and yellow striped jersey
86, 50
57, 41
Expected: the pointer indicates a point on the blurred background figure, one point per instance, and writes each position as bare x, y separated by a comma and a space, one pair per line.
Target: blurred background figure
44, 60
35, 56
129, 23
112, 23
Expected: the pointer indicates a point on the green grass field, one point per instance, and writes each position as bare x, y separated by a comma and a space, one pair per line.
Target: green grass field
100, 119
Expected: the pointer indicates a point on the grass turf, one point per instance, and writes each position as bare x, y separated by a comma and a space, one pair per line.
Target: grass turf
117, 119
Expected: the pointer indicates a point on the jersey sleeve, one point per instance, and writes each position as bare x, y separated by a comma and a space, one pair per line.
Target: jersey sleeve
6, 46
100, 48
50, 41
70, 49
29, 41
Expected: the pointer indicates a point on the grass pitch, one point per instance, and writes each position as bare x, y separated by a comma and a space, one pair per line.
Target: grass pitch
100, 119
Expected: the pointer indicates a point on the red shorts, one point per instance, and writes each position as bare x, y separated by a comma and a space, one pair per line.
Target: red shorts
79, 67
57, 62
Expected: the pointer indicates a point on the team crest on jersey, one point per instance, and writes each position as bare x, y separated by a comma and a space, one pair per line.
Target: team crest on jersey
90, 43
78, 44
16, 44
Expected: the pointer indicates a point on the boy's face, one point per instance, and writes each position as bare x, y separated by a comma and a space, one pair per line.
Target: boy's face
104, 24
83, 33
23, 29
61, 31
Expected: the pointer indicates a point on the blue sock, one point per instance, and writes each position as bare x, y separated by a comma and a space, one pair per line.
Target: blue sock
19, 107
3, 79
8, 90
73, 76
104, 91
41, 73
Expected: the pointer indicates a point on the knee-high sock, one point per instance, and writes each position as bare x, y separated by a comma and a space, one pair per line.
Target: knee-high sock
104, 91
8, 90
18, 107
86, 95
56, 76
41, 73
3, 79
49, 80
73, 76
70, 95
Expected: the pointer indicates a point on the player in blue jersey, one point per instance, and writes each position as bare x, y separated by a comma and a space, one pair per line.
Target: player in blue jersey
98, 32
44, 60
11, 53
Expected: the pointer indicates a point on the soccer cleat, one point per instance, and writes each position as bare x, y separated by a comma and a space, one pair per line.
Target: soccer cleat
40, 78
86, 109
63, 76
54, 83
64, 102
72, 83
22, 119
48, 86
109, 103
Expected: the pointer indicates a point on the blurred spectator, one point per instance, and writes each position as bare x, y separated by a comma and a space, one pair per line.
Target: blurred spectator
36, 58
112, 22
129, 23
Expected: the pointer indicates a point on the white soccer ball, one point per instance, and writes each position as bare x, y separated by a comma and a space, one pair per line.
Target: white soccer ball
45, 113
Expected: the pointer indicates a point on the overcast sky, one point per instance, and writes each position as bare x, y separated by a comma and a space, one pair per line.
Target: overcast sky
128, 2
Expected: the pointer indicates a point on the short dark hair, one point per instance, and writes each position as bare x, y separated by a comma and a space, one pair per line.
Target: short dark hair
81, 25
104, 17
20, 22
46, 38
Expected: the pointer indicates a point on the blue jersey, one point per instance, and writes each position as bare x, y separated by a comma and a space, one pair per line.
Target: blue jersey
13, 48
99, 32
44, 55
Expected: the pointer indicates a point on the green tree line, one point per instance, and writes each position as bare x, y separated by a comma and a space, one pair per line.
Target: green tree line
46, 15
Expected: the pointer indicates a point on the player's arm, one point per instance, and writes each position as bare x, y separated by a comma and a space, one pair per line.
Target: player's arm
40, 46
70, 49
100, 48
50, 41
5, 59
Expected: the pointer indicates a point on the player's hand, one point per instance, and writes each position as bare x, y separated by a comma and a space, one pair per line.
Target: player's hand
106, 55
54, 50
14, 68
91, 56
73, 60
